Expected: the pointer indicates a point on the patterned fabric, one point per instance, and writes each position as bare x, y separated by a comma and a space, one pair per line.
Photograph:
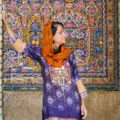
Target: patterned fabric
63, 75
61, 98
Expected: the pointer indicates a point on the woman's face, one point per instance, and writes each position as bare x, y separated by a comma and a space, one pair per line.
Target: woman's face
59, 37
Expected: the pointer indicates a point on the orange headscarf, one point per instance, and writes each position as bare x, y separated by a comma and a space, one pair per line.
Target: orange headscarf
55, 60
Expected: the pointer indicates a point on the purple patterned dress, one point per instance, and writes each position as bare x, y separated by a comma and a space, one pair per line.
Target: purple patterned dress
61, 99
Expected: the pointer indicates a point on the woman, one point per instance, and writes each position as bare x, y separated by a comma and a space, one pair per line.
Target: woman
63, 91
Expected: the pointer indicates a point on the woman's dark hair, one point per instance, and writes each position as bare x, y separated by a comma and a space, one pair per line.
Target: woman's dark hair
54, 27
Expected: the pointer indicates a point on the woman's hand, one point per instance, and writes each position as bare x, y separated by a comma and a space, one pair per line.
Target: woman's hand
83, 110
8, 28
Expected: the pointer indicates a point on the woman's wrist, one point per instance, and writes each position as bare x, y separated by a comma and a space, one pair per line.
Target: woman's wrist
83, 101
84, 94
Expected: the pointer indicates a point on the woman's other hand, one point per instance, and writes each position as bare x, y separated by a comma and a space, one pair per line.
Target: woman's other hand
83, 110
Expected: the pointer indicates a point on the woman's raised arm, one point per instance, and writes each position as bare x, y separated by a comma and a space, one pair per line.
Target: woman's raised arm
15, 41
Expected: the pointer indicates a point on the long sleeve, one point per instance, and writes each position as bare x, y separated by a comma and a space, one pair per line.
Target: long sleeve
81, 88
33, 52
